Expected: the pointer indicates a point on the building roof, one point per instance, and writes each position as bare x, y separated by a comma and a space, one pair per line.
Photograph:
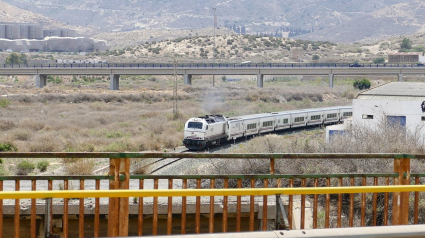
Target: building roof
406, 53
395, 89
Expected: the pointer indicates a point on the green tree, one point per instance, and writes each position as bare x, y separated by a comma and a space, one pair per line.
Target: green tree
362, 84
15, 58
223, 78
406, 44
419, 48
379, 60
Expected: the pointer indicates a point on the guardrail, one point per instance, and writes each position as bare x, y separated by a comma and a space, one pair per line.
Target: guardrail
351, 206
212, 65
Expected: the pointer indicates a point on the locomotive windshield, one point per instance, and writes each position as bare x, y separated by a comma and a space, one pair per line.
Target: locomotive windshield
195, 125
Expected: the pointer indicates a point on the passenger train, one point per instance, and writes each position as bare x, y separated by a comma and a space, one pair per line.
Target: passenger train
202, 132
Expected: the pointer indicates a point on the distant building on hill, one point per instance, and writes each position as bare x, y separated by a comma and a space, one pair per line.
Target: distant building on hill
27, 37
54, 44
406, 57
14, 31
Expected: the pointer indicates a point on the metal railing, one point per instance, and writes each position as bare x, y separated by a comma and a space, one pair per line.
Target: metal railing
332, 206
212, 65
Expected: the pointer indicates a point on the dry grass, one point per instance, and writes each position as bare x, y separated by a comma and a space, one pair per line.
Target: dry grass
77, 118
79, 166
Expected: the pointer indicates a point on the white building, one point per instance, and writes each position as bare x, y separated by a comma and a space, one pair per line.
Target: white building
396, 102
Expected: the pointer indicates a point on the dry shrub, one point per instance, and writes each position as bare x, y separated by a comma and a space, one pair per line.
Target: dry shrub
141, 166
359, 139
78, 166
384, 138
6, 124
151, 142
99, 106
31, 124
125, 145
45, 143
21, 134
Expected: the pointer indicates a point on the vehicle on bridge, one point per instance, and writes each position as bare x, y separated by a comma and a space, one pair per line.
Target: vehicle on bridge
355, 64
205, 131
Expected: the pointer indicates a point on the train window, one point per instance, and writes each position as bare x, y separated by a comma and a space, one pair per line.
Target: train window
278, 121
251, 126
315, 117
194, 125
285, 121
347, 114
364, 116
331, 115
299, 119
267, 123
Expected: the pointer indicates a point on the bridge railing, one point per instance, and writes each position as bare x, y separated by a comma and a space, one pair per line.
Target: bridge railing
209, 65
337, 200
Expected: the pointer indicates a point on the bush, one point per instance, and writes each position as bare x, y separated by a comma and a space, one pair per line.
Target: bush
5, 147
42, 165
315, 57
362, 84
4, 103
78, 166
3, 170
24, 168
379, 60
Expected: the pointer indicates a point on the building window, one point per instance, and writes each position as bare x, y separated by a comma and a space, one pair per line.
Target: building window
299, 119
364, 116
347, 114
316, 117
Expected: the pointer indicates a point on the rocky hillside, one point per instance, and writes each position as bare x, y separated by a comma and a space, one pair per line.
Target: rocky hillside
333, 20
256, 49
394, 20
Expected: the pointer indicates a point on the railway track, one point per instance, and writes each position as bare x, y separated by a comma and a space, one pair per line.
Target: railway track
165, 162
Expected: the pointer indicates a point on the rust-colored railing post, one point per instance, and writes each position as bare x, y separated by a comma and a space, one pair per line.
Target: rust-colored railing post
118, 207
401, 200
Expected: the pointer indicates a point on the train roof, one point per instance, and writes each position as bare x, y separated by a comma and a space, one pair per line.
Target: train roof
213, 118
261, 115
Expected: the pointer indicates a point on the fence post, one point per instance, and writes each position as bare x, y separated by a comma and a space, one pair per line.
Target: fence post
118, 207
401, 200
272, 166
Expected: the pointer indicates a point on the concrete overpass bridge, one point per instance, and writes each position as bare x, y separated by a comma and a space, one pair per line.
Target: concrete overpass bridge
188, 70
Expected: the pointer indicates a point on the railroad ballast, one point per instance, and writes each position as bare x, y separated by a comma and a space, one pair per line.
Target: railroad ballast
202, 132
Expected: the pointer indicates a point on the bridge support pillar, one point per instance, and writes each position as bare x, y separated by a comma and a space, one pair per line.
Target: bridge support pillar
260, 80
400, 77
331, 80
187, 79
40, 80
115, 82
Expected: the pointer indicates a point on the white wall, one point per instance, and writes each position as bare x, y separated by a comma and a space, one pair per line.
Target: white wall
398, 106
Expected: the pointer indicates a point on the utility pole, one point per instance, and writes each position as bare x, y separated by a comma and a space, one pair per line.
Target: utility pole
215, 26
175, 111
